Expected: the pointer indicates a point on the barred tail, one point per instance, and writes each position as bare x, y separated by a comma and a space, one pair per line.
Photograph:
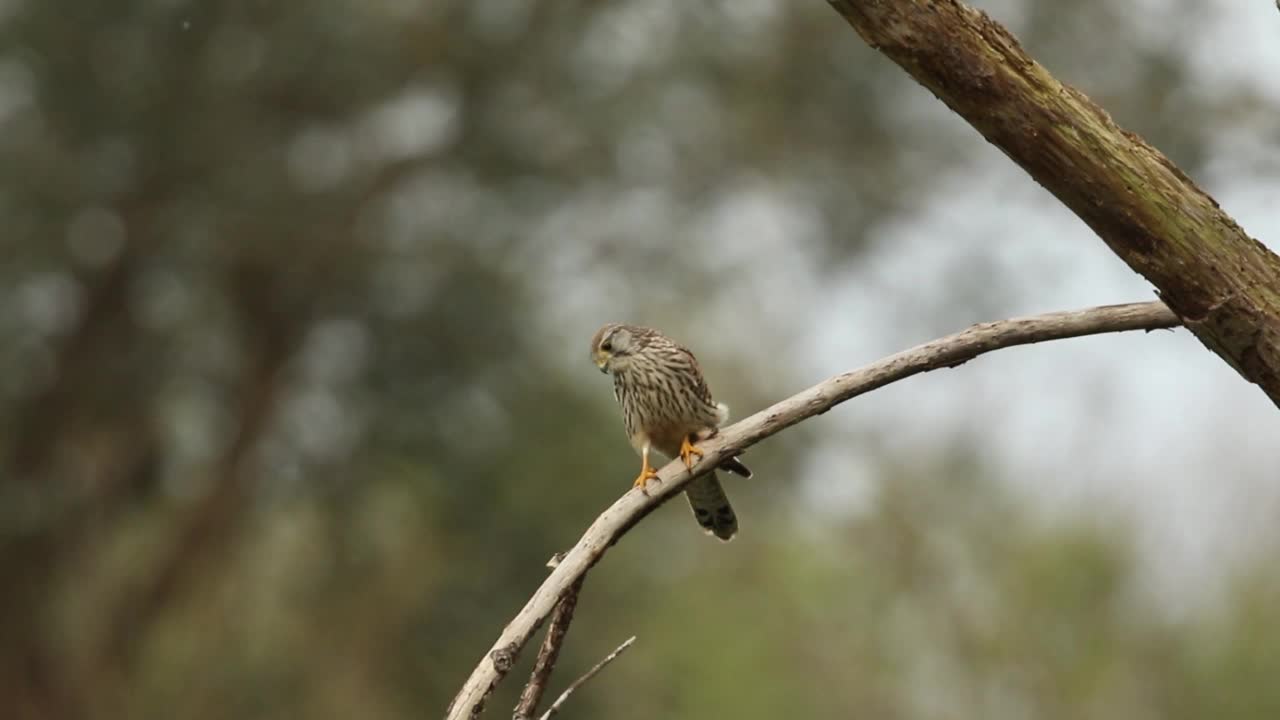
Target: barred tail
711, 507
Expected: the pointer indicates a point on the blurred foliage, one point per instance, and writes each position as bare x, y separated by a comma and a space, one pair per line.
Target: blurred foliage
294, 401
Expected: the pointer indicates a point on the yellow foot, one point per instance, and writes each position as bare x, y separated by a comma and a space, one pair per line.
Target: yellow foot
687, 451
646, 473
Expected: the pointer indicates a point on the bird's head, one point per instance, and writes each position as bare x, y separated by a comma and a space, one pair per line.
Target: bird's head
612, 347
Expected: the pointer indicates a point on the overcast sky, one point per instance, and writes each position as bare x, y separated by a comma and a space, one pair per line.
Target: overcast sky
1152, 423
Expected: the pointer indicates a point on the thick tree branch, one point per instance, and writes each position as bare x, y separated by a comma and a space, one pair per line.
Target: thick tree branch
631, 507
1222, 283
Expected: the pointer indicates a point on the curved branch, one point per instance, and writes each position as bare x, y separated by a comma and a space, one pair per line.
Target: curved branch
1221, 282
948, 351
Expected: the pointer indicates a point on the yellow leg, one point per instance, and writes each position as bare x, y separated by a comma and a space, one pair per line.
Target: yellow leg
646, 471
687, 451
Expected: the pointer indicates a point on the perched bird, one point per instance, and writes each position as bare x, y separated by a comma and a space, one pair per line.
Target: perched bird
667, 407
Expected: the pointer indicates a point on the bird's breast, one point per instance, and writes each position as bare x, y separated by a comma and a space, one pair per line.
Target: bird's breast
660, 409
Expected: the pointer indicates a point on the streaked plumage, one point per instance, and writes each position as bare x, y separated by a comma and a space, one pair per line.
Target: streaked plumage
666, 406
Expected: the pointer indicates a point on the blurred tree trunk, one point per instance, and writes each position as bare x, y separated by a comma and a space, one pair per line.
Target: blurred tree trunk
1222, 283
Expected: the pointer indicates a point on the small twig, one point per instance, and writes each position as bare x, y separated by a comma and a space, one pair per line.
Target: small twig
561, 617
555, 706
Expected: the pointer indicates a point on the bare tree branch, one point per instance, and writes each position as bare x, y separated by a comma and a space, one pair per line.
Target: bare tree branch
555, 706
1220, 281
527, 707
944, 352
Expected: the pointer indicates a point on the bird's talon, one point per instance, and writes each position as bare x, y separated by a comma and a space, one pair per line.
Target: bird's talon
646, 473
687, 451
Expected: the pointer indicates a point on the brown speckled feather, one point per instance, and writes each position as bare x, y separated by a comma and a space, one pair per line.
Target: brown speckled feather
664, 399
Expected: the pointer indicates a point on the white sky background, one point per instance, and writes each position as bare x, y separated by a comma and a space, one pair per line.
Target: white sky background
1148, 423
1144, 426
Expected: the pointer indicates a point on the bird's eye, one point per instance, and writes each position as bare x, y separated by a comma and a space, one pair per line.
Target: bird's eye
607, 346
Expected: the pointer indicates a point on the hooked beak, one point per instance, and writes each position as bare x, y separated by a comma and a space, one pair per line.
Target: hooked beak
602, 362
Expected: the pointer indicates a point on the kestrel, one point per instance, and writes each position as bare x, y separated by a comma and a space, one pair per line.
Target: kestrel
667, 407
